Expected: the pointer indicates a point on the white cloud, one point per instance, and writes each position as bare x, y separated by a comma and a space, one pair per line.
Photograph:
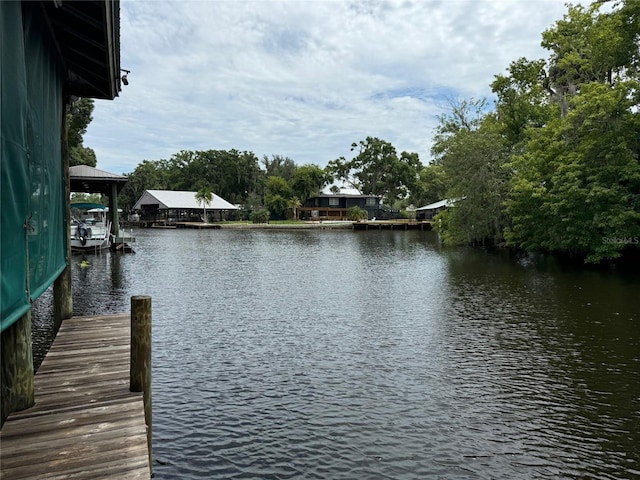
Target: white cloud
303, 79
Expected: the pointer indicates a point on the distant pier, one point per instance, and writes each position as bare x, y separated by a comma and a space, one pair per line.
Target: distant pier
422, 225
196, 225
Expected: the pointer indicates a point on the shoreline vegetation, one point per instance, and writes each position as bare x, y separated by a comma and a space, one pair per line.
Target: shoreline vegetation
550, 166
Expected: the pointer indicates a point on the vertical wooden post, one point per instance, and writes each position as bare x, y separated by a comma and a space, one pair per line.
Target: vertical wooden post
113, 210
140, 368
17, 368
62, 298
62, 295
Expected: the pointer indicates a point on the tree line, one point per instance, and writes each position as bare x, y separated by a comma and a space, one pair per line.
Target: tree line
551, 165
554, 166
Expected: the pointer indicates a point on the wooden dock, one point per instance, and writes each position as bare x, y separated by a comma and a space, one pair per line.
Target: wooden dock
393, 225
85, 422
197, 225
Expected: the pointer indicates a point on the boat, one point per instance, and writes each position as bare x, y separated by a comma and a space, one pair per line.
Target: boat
90, 227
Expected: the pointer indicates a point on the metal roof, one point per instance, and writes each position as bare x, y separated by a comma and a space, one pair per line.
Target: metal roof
177, 199
344, 192
433, 206
84, 178
442, 203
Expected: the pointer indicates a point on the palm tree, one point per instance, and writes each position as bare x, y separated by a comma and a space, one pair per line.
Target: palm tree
294, 204
204, 197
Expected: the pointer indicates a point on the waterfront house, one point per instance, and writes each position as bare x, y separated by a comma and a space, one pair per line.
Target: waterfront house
335, 206
51, 53
168, 207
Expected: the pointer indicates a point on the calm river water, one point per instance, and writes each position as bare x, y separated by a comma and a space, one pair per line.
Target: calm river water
374, 355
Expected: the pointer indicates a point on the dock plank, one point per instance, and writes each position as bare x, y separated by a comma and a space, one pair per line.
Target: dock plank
85, 422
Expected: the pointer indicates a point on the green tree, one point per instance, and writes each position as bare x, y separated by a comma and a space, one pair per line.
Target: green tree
431, 185
277, 196
308, 180
590, 46
463, 116
204, 197
279, 166
82, 156
576, 188
575, 185
278, 186
78, 197
232, 174
294, 204
277, 205
377, 169
522, 100
473, 153
253, 201
78, 119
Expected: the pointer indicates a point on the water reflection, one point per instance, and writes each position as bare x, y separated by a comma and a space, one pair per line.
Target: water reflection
337, 354
558, 359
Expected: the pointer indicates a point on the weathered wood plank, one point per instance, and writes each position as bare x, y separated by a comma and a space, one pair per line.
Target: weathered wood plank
73, 418
85, 423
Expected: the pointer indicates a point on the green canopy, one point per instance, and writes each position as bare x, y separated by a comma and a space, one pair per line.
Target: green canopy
88, 206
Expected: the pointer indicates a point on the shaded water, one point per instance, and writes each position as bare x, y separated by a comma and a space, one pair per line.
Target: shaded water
339, 354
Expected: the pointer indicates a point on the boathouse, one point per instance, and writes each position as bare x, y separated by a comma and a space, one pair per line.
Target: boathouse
51, 53
169, 207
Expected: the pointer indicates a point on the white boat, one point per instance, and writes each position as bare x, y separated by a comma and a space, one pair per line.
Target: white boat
90, 227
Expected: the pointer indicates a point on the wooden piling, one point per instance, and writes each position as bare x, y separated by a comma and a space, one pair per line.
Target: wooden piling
17, 368
62, 297
140, 368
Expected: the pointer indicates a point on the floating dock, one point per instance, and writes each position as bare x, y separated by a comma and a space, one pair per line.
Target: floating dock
85, 422
123, 244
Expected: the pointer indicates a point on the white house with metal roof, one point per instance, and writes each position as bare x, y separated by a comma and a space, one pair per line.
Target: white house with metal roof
170, 206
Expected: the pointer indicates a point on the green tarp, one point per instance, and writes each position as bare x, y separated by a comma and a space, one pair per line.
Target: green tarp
32, 202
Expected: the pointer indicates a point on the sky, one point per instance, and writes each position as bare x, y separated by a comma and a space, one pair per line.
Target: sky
304, 79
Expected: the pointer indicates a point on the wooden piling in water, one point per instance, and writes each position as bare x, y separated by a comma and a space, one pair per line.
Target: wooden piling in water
140, 368
16, 377
62, 297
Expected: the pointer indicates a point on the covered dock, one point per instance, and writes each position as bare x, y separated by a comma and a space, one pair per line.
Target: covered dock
177, 208
86, 179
